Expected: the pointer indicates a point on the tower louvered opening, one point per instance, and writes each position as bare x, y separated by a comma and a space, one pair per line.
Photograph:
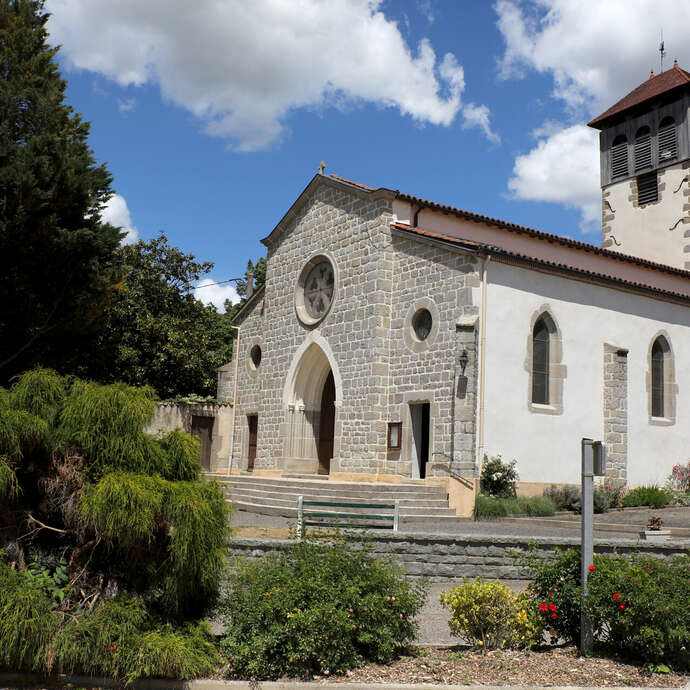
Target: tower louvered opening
619, 156
668, 142
647, 189
643, 149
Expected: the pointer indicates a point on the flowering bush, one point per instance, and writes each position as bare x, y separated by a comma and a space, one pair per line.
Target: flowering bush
556, 589
498, 478
491, 616
613, 493
678, 484
680, 475
655, 523
639, 608
317, 608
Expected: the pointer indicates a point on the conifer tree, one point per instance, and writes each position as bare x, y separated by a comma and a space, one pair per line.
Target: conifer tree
55, 251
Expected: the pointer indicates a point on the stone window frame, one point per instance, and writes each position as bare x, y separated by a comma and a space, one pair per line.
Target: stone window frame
252, 369
557, 370
410, 337
300, 309
670, 385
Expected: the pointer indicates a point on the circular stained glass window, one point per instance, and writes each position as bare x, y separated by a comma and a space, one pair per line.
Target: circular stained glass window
255, 354
421, 323
318, 289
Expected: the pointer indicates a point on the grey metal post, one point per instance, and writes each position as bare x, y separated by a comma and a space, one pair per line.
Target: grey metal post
300, 516
587, 555
396, 515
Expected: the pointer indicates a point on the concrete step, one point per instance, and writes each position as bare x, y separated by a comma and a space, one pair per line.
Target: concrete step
278, 496
413, 486
266, 496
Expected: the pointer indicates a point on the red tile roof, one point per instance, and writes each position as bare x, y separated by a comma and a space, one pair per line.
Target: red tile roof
557, 239
553, 265
654, 86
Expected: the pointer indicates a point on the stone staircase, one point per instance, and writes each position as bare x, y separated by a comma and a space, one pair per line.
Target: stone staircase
419, 502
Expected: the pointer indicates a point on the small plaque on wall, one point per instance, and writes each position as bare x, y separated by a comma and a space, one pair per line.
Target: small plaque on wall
394, 434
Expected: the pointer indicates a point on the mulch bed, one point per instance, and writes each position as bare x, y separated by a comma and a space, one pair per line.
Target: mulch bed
554, 666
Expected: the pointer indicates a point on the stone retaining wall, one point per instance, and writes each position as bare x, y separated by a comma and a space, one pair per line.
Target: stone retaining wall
441, 557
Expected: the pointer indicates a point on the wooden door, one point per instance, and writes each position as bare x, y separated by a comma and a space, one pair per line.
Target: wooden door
327, 425
253, 422
202, 428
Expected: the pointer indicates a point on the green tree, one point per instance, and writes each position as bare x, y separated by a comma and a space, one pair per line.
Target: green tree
157, 333
55, 251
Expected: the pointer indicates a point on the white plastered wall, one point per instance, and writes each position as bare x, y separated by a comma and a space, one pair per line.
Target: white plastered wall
655, 231
547, 446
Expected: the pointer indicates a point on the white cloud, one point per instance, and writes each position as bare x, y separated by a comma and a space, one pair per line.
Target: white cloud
116, 213
563, 168
242, 67
124, 105
595, 53
426, 8
208, 293
478, 116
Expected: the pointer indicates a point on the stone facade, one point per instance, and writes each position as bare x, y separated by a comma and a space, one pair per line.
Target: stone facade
616, 411
366, 340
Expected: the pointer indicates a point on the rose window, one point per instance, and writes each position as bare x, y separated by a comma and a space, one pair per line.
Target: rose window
318, 289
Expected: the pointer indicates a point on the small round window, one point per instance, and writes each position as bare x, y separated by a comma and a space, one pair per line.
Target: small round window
421, 324
255, 356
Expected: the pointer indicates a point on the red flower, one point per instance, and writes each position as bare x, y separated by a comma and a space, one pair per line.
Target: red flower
616, 596
591, 568
554, 615
622, 607
543, 607
552, 607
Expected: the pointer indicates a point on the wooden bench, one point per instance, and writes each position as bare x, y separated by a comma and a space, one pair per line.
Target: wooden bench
321, 518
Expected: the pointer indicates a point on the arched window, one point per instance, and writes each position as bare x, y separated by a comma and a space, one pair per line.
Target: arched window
668, 143
619, 156
643, 148
659, 350
540, 362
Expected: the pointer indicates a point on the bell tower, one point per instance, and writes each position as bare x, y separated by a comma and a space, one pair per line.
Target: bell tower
645, 170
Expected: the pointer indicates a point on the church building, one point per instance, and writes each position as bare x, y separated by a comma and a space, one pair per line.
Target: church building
399, 338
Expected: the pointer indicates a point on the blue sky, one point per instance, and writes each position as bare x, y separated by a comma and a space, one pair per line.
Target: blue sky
213, 116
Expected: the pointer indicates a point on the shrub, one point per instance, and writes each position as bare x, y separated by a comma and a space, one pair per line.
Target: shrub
493, 507
569, 497
27, 623
317, 608
651, 496
130, 510
556, 589
677, 485
639, 608
119, 640
488, 614
489, 508
613, 493
498, 478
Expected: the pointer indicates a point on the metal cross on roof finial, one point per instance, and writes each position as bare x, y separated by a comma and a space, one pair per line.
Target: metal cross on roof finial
322, 167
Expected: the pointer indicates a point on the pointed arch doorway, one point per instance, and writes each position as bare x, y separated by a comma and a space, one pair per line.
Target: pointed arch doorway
327, 424
312, 393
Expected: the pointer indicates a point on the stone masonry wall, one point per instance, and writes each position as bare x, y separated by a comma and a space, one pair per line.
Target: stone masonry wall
350, 226
439, 557
616, 411
432, 277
